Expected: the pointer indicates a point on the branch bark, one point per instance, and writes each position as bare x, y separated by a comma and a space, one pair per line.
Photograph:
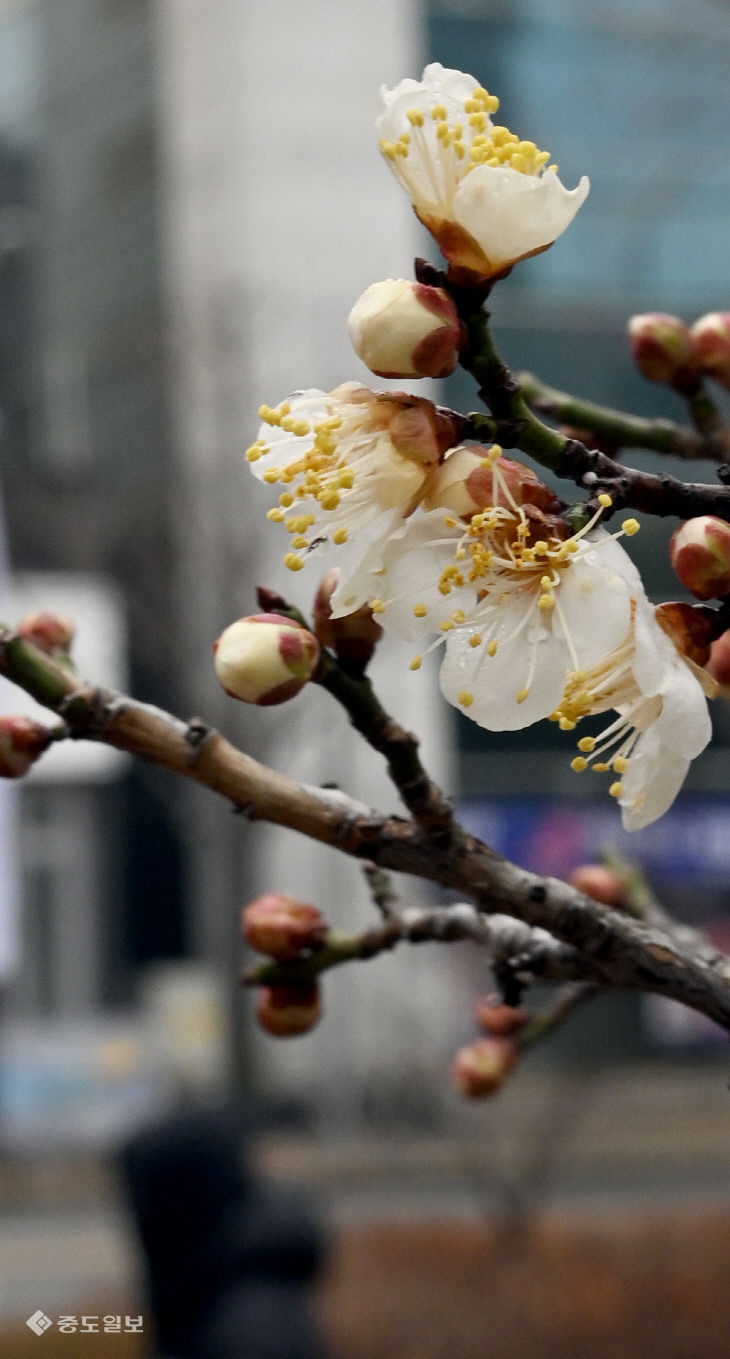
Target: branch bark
612, 950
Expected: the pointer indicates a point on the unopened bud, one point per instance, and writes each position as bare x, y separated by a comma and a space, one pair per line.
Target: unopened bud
711, 340
700, 554
22, 741
662, 347
352, 638
50, 632
265, 659
482, 1067
472, 477
498, 1019
281, 926
689, 627
288, 1009
601, 883
719, 662
406, 330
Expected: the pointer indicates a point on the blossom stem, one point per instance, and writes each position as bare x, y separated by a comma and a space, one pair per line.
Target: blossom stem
614, 427
424, 800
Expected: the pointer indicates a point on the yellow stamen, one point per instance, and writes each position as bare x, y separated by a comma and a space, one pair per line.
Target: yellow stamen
492, 648
605, 500
579, 764
420, 610
294, 562
586, 744
339, 536
416, 663
615, 790
521, 695
466, 699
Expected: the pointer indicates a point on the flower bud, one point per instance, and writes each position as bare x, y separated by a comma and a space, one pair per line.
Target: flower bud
711, 340
662, 347
498, 1019
719, 662
466, 482
352, 638
50, 632
700, 554
482, 1067
406, 330
22, 741
601, 883
281, 926
265, 659
286, 1010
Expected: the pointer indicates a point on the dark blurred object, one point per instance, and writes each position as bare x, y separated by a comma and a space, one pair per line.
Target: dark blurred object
229, 1257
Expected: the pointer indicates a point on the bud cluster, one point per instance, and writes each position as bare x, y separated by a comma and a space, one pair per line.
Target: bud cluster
480, 1068
667, 350
285, 929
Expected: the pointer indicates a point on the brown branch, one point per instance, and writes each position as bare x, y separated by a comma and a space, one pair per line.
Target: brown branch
615, 950
423, 798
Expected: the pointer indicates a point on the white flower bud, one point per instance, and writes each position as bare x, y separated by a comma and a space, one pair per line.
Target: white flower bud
406, 330
265, 659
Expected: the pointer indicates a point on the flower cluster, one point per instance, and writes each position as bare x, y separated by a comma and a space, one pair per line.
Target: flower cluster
451, 545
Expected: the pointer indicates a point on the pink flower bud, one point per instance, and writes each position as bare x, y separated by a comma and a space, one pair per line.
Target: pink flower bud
482, 1067
352, 638
719, 662
662, 347
288, 1010
700, 554
281, 926
50, 632
599, 882
22, 741
711, 340
265, 659
465, 482
498, 1019
406, 330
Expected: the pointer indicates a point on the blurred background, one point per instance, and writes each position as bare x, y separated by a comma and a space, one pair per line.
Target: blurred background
191, 199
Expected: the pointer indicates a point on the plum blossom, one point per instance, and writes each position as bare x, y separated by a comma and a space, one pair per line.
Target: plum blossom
662, 723
351, 464
508, 590
487, 197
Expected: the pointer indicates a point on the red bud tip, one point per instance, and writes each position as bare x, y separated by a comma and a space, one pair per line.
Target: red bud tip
700, 554
719, 662
600, 883
50, 632
22, 741
482, 1067
282, 927
498, 1019
288, 1010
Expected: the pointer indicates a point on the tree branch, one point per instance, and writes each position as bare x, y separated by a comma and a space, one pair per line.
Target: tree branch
615, 950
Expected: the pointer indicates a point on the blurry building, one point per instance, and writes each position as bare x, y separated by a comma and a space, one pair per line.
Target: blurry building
190, 200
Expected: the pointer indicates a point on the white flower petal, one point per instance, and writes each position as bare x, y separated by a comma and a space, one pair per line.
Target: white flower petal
532, 658
684, 723
651, 782
596, 606
512, 215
